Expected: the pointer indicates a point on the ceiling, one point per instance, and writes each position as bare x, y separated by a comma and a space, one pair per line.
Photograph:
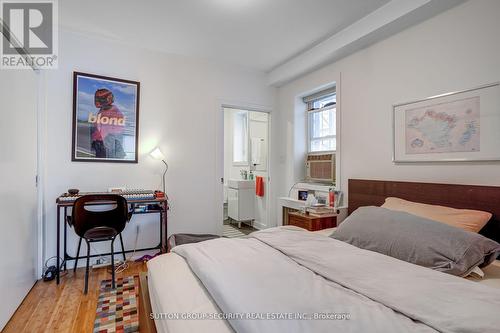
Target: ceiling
260, 34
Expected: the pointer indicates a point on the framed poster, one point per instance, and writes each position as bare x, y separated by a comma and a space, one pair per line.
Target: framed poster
105, 119
453, 127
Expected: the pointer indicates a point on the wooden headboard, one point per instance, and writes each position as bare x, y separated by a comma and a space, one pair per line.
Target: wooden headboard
364, 192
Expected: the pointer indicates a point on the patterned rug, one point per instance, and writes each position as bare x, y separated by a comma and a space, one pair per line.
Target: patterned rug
232, 232
117, 309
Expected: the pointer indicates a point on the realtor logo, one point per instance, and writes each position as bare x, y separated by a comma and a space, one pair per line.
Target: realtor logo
29, 32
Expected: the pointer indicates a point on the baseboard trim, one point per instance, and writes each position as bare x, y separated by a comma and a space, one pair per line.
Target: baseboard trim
258, 225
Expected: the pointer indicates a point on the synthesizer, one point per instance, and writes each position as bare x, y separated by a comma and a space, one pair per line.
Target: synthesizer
132, 195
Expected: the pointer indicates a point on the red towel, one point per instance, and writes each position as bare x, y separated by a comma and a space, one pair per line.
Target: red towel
259, 186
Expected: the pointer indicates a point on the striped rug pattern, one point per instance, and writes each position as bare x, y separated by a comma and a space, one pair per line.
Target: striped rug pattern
231, 232
117, 309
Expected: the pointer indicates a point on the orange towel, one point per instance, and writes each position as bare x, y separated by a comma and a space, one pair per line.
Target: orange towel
259, 186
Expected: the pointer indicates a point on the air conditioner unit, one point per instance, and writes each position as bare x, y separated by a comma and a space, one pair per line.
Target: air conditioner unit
320, 168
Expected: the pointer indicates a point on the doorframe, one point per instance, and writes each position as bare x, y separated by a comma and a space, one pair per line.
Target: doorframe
219, 157
41, 119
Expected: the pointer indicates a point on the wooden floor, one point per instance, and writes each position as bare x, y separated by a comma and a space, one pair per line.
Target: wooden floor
64, 308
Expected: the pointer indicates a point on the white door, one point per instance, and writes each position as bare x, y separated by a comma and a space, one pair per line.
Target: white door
18, 200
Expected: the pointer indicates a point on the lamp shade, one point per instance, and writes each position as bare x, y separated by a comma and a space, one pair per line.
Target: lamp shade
157, 154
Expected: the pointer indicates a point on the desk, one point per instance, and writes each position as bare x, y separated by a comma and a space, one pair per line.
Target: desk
62, 205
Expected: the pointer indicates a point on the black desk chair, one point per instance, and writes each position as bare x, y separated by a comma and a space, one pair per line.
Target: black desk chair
99, 226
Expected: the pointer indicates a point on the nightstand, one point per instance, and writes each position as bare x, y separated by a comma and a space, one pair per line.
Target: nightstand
312, 222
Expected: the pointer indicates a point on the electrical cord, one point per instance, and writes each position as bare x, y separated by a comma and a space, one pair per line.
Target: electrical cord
124, 265
100, 257
50, 271
293, 186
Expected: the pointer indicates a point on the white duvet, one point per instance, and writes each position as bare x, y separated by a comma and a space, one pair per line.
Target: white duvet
291, 272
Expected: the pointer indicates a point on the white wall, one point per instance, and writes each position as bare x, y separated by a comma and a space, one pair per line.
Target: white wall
180, 106
18, 194
455, 50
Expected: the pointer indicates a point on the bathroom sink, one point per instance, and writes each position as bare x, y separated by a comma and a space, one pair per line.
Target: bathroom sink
240, 184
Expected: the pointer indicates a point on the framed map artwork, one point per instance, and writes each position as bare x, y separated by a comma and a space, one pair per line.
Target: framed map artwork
453, 127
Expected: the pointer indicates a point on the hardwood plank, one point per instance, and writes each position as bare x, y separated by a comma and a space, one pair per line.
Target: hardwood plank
63, 315
28, 306
64, 308
146, 324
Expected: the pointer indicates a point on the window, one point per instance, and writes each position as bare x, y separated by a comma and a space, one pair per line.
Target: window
322, 121
240, 137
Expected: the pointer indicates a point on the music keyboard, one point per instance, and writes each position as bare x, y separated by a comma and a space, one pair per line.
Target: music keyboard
130, 195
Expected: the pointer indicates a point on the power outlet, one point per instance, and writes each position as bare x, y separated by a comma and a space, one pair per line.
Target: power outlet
104, 264
101, 262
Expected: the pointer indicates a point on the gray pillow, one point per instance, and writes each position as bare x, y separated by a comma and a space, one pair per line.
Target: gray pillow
417, 240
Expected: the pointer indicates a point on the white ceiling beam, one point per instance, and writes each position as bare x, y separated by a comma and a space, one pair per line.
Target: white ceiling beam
387, 20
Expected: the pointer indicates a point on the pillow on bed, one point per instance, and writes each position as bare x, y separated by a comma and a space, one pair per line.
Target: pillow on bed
466, 219
417, 240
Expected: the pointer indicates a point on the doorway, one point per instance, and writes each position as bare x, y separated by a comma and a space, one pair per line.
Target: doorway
245, 171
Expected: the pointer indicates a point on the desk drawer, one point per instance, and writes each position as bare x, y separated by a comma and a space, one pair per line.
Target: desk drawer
299, 222
311, 223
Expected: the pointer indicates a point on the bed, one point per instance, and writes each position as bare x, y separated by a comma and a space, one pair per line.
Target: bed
274, 277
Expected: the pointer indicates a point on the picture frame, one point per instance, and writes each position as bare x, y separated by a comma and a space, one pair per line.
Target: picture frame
460, 126
105, 119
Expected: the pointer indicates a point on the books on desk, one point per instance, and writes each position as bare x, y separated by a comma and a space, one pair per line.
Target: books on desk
322, 211
148, 208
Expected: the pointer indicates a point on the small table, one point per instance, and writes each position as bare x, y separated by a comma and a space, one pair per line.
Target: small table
64, 203
312, 222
